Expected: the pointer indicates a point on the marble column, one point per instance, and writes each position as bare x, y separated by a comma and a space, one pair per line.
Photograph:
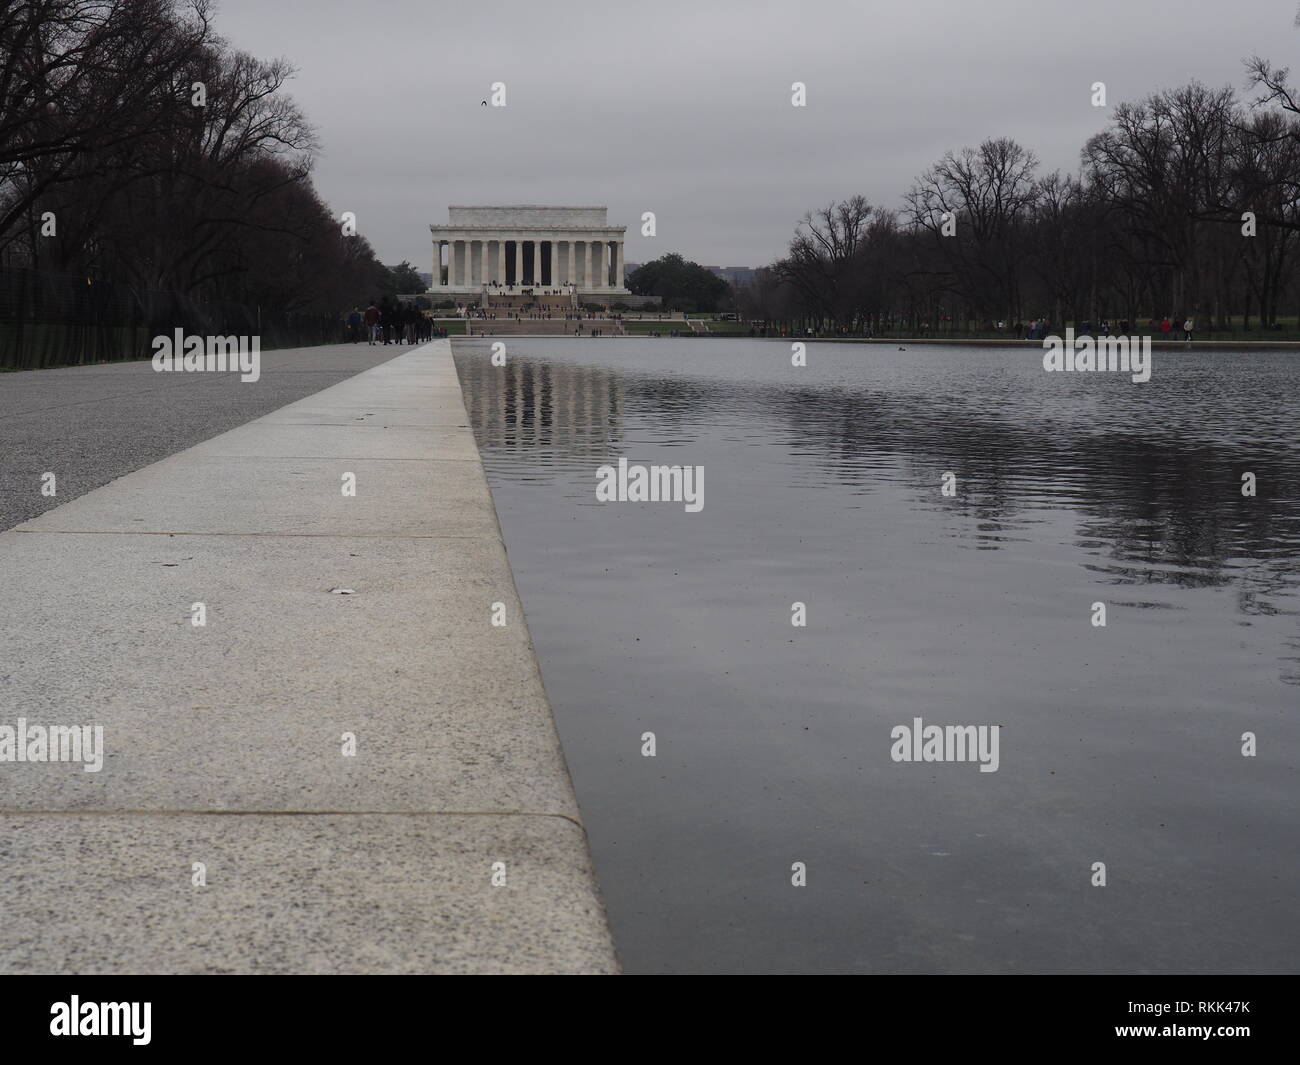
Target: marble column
618, 265
519, 262
573, 261
602, 275
537, 262
501, 262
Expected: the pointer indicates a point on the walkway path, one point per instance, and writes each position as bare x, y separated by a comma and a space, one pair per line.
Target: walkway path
90, 424
224, 743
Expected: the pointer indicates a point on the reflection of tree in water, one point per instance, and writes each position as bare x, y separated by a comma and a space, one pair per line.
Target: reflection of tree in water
1291, 673
1156, 513
1152, 511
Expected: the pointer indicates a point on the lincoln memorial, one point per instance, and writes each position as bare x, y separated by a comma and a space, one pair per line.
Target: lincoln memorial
501, 251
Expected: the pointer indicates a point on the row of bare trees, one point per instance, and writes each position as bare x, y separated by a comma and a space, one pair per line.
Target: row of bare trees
1187, 204
136, 146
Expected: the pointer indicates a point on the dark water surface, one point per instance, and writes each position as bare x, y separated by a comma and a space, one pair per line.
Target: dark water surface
1120, 744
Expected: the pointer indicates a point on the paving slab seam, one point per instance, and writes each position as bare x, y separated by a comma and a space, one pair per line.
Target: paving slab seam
20, 812
283, 535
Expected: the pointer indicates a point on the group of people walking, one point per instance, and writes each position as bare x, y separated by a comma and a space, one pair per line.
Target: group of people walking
391, 323
1039, 328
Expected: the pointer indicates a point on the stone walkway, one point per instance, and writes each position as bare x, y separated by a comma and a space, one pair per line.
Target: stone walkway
327, 616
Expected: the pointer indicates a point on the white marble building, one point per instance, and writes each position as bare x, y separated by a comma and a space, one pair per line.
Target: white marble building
507, 249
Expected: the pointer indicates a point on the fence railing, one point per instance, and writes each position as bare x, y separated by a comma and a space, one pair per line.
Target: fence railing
56, 320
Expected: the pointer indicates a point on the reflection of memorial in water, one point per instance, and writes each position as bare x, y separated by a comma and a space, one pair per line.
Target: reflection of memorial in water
570, 412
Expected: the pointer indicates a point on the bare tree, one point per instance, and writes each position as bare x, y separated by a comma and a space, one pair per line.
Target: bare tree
1165, 165
986, 194
78, 79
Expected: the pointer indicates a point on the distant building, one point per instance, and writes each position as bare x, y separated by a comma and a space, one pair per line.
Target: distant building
573, 249
737, 275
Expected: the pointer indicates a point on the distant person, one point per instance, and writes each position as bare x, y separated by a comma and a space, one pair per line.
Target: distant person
354, 324
371, 318
1189, 327
1165, 325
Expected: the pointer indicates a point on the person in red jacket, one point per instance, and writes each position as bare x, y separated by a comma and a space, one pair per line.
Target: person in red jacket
372, 322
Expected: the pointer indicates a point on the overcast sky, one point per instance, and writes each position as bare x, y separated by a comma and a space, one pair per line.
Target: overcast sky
683, 108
